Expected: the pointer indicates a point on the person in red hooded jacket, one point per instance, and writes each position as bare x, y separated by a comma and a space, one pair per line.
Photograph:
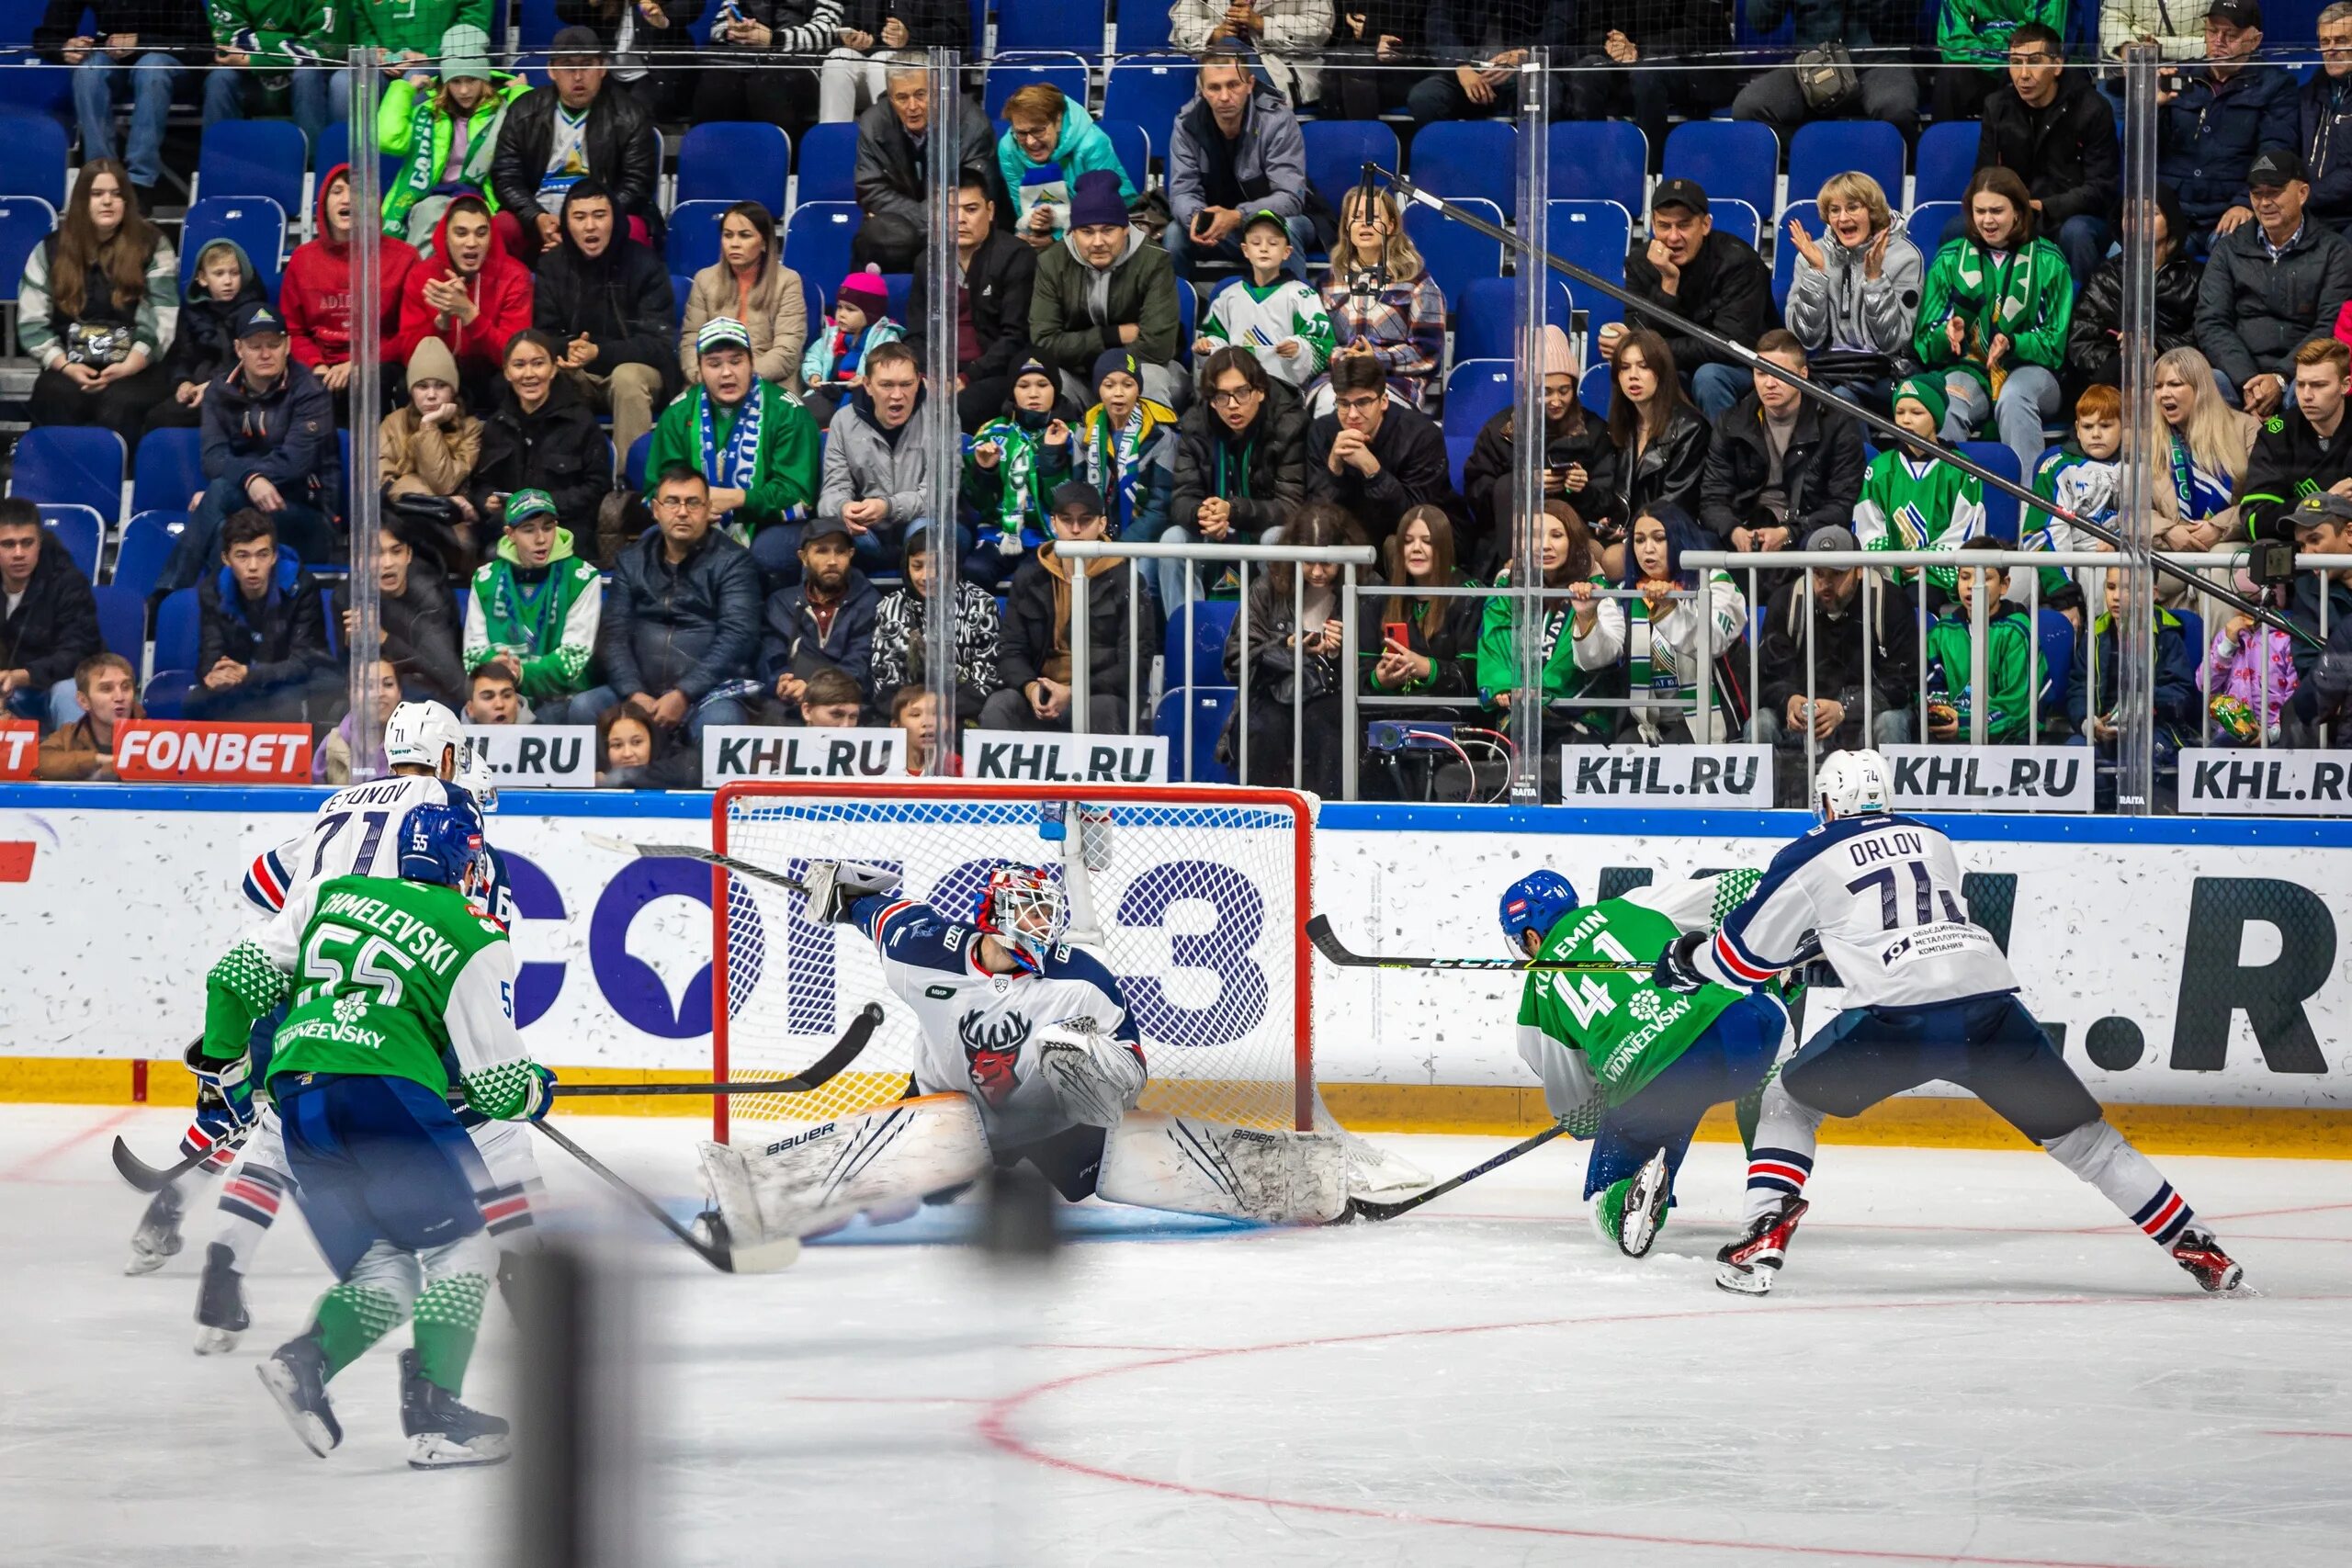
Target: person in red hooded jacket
315, 298
469, 293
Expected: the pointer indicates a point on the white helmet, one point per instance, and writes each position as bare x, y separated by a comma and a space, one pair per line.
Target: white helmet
1853, 782
475, 778
420, 735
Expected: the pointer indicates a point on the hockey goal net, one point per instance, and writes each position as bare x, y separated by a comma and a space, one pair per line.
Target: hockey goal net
1196, 896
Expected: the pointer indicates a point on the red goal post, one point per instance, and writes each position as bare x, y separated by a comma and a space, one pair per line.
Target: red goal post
1200, 894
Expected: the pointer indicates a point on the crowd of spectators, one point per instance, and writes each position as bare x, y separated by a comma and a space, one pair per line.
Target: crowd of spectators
766, 568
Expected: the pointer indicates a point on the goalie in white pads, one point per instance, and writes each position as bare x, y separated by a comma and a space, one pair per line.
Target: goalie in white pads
1929, 995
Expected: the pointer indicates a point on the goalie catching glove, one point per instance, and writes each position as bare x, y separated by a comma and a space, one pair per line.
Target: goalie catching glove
832, 886
1096, 1079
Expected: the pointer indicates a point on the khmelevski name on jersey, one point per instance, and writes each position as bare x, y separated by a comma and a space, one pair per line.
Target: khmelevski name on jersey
357, 832
1883, 892
977, 1027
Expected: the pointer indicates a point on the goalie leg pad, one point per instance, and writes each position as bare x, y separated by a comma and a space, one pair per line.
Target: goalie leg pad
886, 1159
1191, 1167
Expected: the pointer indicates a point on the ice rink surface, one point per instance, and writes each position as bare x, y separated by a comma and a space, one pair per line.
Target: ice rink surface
1969, 1361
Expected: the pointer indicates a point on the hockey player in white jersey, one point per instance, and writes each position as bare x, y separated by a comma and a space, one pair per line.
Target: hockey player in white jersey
1929, 995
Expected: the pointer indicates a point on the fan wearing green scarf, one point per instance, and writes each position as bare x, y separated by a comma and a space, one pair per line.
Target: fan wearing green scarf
535, 608
755, 446
1018, 458
444, 136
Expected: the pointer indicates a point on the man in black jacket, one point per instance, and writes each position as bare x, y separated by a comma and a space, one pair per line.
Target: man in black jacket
1241, 463
680, 620
269, 442
552, 135
608, 300
2325, 104
1377, 457
1822, 687
262, 655
893, 150
2305, 447
2058, 133
999, 274
1033, 657
2270, 285
1717, 280
1626, 52
140, 50
1781, 467
50, 620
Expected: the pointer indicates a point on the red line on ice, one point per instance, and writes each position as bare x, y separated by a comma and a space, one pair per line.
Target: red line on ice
33, 1162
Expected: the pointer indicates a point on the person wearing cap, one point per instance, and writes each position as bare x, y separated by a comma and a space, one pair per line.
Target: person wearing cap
893, 155
554, 135
1712, 279
2052, 126
1240, 466
1883, 86
2325, 107
2271, 286
833, 367
1107, 287
2305, 447
443, 135
2214, 115
1814, 670
1579, 468
1017, 459
1273, 312
269, 444
316, 291
1033, 655
277, 51
1854, 292
139, 50
534, 609
825, 621
1781, 466
1236, 151
1376, 456
1126, 447
997, 277
2094, 335
608, 299
877, 466
1913, 500
755, 447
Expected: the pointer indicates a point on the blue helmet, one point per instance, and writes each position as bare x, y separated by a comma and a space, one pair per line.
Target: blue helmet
1535, 903
441, 843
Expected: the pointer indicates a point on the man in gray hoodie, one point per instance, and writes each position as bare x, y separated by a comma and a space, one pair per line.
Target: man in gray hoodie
876, 474
1236, 150
1106, 286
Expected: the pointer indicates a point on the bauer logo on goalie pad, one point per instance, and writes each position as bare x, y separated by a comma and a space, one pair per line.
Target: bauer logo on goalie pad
810, 1136
731, 752
1019, 757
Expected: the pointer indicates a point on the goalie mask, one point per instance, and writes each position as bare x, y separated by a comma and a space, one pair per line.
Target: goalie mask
1023, 907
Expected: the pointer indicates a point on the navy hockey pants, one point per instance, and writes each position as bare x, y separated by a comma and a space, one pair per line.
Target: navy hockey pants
1988, 1045
1721, 1065
378, 1159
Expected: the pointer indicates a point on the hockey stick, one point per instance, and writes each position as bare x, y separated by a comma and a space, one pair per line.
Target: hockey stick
691, 851
1363, 1209
853, 1041
148, 1178
717, 1253
1326, 941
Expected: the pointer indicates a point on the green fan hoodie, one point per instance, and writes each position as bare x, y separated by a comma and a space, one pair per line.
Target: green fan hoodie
411, 123
2026, 294
276, 34
545, 620
2007, 636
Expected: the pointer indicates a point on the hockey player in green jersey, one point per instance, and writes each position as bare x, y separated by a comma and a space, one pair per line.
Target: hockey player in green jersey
397, 978
1608, 1043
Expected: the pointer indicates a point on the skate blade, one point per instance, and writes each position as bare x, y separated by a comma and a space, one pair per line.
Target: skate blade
314, 1432
1743, 1281
1644, 1213
145, 1262
438, 1450
215, 1341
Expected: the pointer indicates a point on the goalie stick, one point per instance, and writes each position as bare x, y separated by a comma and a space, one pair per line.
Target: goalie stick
691, 851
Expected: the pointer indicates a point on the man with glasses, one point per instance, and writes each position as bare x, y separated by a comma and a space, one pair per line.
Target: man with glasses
2271, 286
2214, 116
1241, 465
2327, 106
1374, 457
2055, 130
552, 137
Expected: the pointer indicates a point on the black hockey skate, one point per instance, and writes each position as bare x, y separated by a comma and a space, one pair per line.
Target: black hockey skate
221, 1313
442, 1433
158, 1236
1748, 1264
2213, 1269
296, 1376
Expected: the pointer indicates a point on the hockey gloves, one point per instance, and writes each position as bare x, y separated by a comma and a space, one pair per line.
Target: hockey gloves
539, 1098
834, 885
1095, 1079
224, 1092
1676, 970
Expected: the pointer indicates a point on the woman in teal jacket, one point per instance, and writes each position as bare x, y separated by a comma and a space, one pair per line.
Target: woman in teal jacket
1049, 141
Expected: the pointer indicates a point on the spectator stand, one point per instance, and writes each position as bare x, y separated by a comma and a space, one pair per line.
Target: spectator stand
74, 466
1598, 161
78, 530
1468, 159
1731, 161
1944, 164
254, 158
1456, 253
1830, 147
1337, 151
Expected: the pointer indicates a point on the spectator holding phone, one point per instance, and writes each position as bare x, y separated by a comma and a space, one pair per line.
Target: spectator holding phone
1236, 150
1429, 644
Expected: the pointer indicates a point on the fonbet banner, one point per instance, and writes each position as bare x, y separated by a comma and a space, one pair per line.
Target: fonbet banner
732, 752
2174, 971
1711, 777
19, 748
1993, 778
535, 756
153, 751
2265, 782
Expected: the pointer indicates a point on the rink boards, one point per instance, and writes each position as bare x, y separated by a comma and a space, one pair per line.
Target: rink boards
2189, 964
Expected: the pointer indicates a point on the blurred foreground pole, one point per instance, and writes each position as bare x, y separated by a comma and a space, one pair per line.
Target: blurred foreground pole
576, 1468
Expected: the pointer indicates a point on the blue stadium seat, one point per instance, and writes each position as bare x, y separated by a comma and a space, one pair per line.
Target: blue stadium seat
1829, 147
78, 531
25, 222
253, 157
828, 164
2192, 634
1599, 385
1485, 319
2055, 632
37, 164
899, 287
682, 287
76, 465
1195, 645
540, 24
1008, 73
1188, 316
734, 161
255, 222
168, 469
693, 235
634, 469
1337, 151
1048, 24
335, 147
1944, 163
176, 625
1457, 455
1595, 235
1209, 707
1133, 148
147, 541
17, 19
122, 623
1149, 89
1925, 225
816, 245
1735, 158
1733, 216
1143, 26
2000, 511
1461, 158
1476, 390
1784, 254
1599, 159
1455, 253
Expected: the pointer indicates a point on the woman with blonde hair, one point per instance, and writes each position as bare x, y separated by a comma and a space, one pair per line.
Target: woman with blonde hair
1382, 302
1854, 298
2207, 443
748, 283
96, 308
